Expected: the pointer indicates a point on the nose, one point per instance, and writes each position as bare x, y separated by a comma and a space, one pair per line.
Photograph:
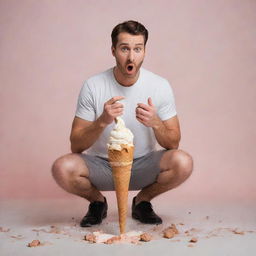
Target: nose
131, 56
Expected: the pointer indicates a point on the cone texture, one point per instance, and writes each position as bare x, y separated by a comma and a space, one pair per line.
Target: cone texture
121, 164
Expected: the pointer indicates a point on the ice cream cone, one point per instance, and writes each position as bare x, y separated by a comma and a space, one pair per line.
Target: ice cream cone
120, 154
121, 164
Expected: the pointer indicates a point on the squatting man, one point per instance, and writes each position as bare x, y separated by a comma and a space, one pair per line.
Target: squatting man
146, 103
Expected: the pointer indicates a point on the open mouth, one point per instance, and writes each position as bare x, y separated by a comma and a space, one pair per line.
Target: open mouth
130, 68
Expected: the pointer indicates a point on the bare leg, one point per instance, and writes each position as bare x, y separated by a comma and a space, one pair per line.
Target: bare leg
176, 166
71, 173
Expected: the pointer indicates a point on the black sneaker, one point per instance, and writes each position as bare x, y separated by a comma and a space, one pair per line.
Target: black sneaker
97, 211
143, 212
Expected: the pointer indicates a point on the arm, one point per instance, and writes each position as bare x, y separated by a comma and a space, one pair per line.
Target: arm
84, 133
167, 132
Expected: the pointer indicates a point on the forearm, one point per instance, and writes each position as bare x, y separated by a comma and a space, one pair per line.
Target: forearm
167, 138
83, 139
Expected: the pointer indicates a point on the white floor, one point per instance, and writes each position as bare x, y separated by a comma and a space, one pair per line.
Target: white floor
222, 228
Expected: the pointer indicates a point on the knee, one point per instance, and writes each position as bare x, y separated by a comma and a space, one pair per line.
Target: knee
181, 161
65, 166
184, 161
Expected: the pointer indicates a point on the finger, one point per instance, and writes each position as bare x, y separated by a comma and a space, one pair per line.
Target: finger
110, 108
143, 112
117, 105
140, 120
117, 111
144, 106
117, 114
150, 102
143, 118
114, 99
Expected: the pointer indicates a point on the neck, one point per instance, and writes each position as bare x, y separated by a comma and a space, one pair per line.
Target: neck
123, 80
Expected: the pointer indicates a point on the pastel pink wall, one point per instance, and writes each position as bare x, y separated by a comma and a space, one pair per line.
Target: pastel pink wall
206, 49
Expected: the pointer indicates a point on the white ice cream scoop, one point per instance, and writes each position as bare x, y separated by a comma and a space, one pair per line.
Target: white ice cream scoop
120, 135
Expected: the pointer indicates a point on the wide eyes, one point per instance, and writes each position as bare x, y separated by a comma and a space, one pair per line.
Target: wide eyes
126, 49
138, 49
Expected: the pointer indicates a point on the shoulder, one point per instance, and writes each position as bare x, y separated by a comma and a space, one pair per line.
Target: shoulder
154, 79
100, 77
97, 82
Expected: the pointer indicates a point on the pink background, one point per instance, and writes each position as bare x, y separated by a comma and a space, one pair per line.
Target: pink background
206, 49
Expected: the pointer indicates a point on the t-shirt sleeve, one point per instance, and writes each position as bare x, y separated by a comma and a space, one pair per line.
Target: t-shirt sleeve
167, 108
85, 104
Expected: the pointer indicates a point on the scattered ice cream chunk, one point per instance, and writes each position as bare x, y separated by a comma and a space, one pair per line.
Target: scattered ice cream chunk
237, 232
170, 232
4, 229
34, 243
101, 237
90, 238
193, 240
145, 237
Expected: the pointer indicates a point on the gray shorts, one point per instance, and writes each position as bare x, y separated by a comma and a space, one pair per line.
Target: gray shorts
145, 170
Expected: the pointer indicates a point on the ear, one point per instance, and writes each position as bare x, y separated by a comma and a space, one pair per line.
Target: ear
113, 50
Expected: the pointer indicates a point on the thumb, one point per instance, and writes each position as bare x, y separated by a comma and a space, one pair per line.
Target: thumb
150, 103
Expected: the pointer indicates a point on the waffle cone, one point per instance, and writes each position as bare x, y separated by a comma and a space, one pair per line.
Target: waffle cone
121, 164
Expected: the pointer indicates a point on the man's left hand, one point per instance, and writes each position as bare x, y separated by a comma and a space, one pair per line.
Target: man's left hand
147, 114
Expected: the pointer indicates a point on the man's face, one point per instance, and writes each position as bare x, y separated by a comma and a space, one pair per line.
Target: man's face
129, 53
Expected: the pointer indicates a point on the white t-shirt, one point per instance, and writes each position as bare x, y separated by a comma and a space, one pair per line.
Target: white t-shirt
100, 88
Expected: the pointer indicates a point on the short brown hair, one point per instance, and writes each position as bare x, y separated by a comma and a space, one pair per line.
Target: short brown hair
132, 27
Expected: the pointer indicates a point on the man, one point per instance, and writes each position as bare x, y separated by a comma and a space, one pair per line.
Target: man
146, 103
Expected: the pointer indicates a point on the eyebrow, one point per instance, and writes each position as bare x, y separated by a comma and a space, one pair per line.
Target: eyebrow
128, 44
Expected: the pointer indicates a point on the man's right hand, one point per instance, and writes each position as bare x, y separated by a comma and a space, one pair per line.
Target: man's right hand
112, 109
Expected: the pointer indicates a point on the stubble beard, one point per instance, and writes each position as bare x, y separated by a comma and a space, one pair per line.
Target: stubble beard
123, 69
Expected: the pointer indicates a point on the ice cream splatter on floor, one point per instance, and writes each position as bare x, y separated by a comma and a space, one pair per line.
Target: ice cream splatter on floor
170, 232
179, 232
34, 243
4, 229
133, 237
18, 237
53, 229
